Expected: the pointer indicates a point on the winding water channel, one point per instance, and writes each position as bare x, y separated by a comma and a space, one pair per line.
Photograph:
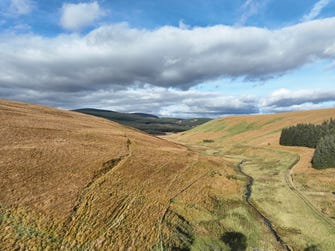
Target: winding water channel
247, 198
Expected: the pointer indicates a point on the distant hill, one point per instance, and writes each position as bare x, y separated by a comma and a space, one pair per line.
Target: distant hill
146, 122
145, 115
253, 129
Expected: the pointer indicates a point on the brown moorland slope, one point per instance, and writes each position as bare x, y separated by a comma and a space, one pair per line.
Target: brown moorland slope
56, 167
71, 181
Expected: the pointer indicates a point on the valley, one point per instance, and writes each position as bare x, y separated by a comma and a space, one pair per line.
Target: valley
70, 181
281, 185
146, 122
167, 125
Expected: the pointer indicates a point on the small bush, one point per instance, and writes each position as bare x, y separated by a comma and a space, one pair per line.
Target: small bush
312, 248
208, 141
235, 240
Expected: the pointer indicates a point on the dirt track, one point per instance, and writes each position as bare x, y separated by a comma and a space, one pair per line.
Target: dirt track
290, 183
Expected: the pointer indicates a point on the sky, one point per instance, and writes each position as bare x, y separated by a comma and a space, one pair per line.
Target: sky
170, 58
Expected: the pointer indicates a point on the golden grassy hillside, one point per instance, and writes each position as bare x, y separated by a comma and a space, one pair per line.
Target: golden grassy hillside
75, 182
254, 129
297, 199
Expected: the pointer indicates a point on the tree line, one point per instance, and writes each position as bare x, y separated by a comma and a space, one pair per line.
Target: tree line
321, 137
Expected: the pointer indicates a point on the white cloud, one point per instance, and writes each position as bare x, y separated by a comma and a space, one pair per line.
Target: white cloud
148, 99
78, 16
169, 102
289, 97
249, 8
316, 10
290, 100
183, 26
120, 56
20, 28
103, 66
21, 7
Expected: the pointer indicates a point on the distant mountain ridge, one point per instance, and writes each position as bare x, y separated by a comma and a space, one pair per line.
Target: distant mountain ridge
149, 123
145, 115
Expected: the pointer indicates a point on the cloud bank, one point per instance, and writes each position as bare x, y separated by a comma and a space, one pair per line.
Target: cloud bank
126, 69
119, 56
169, 102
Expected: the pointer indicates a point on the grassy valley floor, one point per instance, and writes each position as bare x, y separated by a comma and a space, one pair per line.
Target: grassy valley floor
297, 199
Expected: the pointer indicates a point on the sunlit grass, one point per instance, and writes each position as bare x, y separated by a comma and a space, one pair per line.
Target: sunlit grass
296, 223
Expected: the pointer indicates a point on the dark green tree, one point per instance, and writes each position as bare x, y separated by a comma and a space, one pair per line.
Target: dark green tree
324, 155
320, 137
307, 135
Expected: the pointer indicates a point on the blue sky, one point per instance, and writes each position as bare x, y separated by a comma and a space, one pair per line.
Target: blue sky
44, 15
169, 58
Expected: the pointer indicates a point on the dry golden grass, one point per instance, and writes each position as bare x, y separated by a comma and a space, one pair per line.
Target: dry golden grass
71, 181
48, 156
255, 129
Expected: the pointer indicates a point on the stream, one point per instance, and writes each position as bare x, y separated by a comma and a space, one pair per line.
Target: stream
247, 198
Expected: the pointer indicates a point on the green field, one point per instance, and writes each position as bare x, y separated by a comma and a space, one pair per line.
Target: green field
297, 224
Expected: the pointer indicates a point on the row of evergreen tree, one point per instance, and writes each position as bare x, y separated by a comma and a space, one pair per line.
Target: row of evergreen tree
321, 137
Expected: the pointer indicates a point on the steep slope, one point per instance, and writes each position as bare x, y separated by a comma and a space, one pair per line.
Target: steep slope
82, 177
74, 182
297, 199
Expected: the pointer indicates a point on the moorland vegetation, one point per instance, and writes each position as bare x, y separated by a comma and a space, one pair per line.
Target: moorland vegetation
75, 182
